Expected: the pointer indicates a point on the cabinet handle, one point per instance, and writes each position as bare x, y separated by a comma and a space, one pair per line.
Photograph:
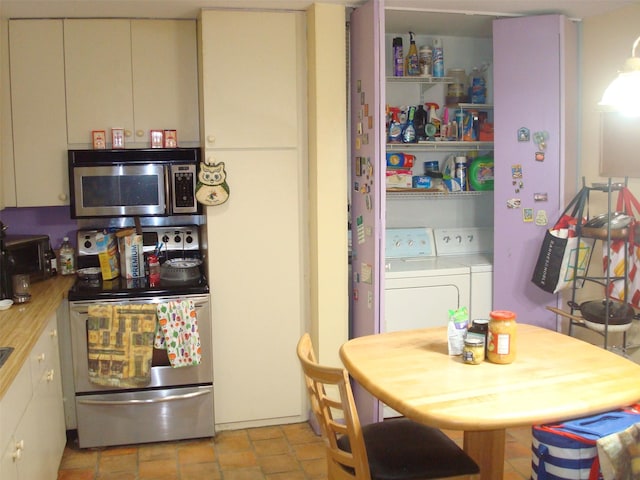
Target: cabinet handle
54, 333
63, 197
211, 139
40, 357
139, 133
49, 376
18, 451
127, 133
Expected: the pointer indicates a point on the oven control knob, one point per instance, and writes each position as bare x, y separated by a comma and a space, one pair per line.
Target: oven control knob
165, 239
87, 244
188, 239
177, 239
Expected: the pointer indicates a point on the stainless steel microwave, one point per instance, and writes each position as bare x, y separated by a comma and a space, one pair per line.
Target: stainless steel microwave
133, 182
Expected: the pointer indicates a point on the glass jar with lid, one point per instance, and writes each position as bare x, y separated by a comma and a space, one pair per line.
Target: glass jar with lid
473, 350
501, 339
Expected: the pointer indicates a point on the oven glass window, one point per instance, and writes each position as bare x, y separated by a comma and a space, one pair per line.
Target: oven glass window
123, 190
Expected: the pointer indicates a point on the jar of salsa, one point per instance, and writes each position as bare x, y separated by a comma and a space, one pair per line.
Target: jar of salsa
501, 340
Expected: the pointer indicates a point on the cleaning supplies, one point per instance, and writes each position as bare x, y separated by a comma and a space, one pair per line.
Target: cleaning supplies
481, 173
433, 118
438, 59
412, 60
409, 130
477, 86
395, 127
398, 62
419, 121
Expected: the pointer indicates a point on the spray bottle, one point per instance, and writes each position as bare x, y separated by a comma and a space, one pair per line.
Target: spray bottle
433, 117
412, 61
395, 128
438, 59
409, 131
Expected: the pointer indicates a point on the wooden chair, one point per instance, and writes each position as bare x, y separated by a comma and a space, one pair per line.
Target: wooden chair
397, 449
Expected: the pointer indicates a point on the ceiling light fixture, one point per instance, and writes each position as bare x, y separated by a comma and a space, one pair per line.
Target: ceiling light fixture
623, 94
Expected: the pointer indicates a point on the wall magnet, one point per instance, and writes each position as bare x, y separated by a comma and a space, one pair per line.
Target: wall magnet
527, 215
541, 218
516, 171
513, 203
539, 157
540, 197
523, 134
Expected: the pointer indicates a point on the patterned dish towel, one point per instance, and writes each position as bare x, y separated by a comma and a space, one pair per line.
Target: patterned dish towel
619, 454
120, 344
177, 332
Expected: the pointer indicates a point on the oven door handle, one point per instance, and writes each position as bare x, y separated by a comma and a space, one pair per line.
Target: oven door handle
170, 398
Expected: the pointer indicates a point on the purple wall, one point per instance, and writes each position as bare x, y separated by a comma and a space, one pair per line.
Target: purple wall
53, 221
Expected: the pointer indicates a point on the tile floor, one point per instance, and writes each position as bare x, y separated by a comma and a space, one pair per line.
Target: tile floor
284, 452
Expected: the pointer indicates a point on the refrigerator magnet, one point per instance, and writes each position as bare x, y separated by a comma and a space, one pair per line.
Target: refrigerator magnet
513, 203
539, 156
527, 215
516, 171
541, 218
540, 197
523, 134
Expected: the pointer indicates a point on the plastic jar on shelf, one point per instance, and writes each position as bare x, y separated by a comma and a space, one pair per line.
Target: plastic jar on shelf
501, 340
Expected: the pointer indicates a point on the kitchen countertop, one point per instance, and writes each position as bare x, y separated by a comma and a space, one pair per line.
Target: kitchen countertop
21, 325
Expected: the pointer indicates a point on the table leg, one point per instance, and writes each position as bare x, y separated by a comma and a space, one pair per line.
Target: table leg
487, 449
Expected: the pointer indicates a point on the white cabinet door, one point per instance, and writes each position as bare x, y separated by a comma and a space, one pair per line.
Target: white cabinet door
258, 319
165, 79
32, 414
99, 77
38, 111
249, 79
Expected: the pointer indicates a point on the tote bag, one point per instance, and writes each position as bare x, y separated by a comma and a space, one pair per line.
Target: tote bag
563, 255
613, 255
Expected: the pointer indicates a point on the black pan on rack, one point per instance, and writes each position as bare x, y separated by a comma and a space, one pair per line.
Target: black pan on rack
595, 312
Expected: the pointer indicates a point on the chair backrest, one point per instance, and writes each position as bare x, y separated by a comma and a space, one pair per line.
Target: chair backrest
336, 413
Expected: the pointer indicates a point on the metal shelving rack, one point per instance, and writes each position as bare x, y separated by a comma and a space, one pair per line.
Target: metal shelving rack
605, 280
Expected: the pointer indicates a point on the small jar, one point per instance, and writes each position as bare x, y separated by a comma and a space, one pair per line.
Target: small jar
479, 329
501, 345
473, 350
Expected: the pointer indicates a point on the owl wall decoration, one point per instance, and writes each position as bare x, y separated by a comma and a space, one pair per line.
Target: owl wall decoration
212, 188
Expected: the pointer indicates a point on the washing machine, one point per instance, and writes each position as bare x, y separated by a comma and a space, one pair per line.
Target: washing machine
472, 247
420, 286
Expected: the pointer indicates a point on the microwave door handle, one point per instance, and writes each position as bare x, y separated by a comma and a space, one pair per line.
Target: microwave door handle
168, 187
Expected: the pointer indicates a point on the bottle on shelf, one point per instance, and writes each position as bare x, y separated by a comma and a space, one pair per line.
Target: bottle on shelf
438, 59
412, 60
67, 257
398, 61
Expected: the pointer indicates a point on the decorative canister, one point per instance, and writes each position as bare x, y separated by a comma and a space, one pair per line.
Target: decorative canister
473, 350
501, 340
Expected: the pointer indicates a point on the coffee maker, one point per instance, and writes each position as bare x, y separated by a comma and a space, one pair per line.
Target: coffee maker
5, 278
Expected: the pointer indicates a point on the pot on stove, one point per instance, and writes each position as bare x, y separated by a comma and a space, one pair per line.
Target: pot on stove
180, 271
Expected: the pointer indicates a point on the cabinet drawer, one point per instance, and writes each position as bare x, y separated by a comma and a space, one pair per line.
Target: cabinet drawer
44, 356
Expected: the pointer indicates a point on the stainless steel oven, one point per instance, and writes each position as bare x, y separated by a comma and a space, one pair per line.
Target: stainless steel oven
177, 403
170, 403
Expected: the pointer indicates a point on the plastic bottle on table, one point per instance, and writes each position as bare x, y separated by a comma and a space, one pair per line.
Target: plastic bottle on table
67, 257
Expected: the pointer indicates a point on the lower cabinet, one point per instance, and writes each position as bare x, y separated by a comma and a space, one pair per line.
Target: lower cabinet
32, 428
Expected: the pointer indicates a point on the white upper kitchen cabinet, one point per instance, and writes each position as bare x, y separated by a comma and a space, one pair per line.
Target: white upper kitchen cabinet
99, 77
249, 81
38, 114
135, 74
253, 85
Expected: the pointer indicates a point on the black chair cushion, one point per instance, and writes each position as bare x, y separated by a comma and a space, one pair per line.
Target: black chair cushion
401, 449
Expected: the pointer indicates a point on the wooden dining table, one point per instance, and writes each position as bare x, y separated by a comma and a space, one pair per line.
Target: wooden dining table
554, 377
